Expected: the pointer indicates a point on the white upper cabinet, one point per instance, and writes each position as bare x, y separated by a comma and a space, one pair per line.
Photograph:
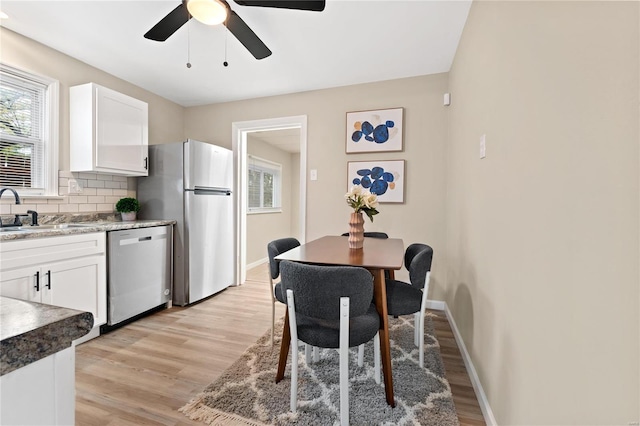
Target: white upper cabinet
108, 131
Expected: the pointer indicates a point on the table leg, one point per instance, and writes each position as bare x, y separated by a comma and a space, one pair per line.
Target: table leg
284, 348
380, 296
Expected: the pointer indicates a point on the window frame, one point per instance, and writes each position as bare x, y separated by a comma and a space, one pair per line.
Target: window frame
265, 166
50, 130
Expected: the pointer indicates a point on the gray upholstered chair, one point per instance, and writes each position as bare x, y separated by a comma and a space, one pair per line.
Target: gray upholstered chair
274, 248
330, 307
411, 298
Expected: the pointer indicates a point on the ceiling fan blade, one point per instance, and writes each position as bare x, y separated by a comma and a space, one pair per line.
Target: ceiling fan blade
246, 36
169, 24
314, 5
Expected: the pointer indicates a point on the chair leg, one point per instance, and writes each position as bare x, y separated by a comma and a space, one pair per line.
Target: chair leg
273, 309
316, 354
416, 329
361, 355
421, 342
307, 353
376, 357
423, 307
294, 350
344, 361
273, 320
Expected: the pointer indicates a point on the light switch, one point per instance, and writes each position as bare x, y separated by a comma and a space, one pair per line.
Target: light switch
483, 146
313, 174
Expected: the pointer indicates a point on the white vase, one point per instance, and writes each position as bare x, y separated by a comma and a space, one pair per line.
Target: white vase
128, 216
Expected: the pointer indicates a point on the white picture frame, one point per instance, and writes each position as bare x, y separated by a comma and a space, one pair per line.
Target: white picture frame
378, 130
383, 178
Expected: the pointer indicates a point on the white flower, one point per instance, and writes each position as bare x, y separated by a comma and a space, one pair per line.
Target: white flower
370, 200
361, 200
356, 190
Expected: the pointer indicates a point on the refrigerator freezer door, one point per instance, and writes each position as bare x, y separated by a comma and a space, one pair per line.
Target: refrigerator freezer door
209, 242
207, 166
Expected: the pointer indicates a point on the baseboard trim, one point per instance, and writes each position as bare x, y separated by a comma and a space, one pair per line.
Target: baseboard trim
438, 305
257, 263
473, 374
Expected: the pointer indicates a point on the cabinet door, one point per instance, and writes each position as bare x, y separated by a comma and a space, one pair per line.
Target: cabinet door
121, 132
77, 284
23, 284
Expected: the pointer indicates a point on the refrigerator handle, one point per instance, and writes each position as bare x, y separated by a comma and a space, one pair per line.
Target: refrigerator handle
146, 163
210, 191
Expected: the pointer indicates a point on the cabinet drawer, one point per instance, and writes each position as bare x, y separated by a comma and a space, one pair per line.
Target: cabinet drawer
17, 254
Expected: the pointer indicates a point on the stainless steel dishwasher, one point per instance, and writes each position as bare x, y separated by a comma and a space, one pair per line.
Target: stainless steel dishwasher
139, 271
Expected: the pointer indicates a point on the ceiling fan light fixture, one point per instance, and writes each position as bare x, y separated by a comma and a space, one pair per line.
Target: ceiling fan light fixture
210, 12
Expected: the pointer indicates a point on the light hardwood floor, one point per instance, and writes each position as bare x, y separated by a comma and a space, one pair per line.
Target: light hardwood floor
142, 373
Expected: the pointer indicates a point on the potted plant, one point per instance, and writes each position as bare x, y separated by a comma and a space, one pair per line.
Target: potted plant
128, 207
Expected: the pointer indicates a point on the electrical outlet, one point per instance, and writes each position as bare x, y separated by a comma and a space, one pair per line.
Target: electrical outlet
314, 174
74, 187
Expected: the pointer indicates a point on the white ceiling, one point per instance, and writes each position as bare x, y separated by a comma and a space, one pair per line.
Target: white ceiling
349, 42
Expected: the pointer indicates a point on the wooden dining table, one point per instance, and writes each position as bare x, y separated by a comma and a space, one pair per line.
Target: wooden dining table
377, 255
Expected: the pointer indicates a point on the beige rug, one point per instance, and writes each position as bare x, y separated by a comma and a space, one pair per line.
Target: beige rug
246, 393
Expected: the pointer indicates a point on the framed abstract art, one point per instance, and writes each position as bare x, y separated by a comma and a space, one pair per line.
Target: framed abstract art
374, 131
383, 178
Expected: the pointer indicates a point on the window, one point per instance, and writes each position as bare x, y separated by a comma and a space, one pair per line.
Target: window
264, 185
28, 132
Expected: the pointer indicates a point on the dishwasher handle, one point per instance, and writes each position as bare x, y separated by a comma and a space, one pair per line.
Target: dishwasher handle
136, 240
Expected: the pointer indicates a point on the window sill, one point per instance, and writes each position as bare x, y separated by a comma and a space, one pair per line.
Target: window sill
265, 211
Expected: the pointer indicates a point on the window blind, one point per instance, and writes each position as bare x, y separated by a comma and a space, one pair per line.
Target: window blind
263, 192
21, 132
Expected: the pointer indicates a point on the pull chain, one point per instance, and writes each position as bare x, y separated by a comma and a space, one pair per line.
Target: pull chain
189, 44
226, 32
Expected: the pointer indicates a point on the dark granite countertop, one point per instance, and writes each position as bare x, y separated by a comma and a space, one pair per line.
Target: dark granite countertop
31, 331
70, 228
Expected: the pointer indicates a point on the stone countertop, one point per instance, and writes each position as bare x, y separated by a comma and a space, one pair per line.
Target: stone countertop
50, 230
31, 331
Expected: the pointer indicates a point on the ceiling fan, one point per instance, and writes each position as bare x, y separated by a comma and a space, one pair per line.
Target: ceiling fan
213, 12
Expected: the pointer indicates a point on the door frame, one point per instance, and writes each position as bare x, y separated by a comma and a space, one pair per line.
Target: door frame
239, 135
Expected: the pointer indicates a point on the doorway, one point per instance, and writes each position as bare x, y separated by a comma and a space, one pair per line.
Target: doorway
244, 133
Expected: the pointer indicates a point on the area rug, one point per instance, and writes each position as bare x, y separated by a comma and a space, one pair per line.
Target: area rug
246, 393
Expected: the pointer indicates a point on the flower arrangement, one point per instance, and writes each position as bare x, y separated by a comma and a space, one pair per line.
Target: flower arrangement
361, 200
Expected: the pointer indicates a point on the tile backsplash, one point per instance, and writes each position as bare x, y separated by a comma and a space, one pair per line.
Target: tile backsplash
90, 192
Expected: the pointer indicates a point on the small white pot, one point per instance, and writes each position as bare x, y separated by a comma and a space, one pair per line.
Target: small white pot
128, 216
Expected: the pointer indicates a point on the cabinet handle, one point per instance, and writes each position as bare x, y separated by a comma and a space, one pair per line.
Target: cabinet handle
37, 286
48, 285
146, 163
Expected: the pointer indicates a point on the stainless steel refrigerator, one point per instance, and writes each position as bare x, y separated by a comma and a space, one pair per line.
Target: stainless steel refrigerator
191, 182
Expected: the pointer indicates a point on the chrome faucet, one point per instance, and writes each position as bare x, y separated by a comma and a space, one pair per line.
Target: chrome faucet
16, 220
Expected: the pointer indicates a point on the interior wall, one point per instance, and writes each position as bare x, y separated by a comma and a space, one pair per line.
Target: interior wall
166, 121
543, 234
421, 217
265, 227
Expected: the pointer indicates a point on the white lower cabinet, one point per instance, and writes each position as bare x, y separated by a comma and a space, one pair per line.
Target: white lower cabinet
41, 393
67, 271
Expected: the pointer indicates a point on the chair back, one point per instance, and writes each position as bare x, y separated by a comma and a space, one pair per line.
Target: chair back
275, 248
318, 289
417, 259
382, 235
